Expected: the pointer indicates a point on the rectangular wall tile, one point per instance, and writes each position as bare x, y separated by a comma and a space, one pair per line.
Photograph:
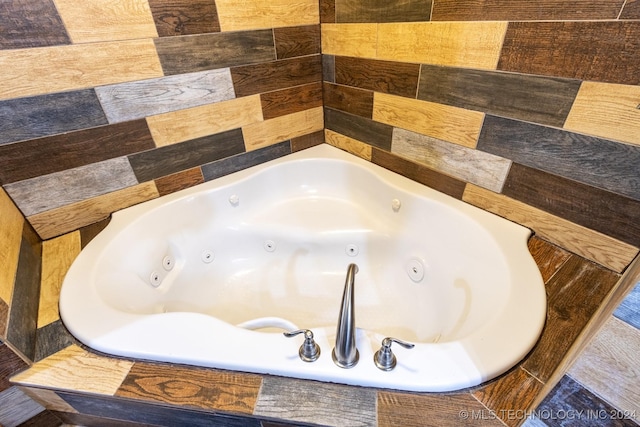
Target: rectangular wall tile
179, 181
598, 51
354, 40
545, 100
28, 72
98, 20
68, 218
282, 128
196, 122
233, 164
548, 257
452, 124
574, 294
607, 110
359, 128
598, 162
629, 309
303, 142
188, 54
199, 388
609, 366
52, 338
11, 225
515, 10
417, 172
599, 210
174, 158
348, 99
483, 169
10, 363
24, 160
182, 17
456, 44
631, 10
383, 10
272, 14
327, 11
291, 100
350, 145
258, 78
297, 41
130, 101
57, 189
34, 117
395, 78
590, 244
57, 256
33, 23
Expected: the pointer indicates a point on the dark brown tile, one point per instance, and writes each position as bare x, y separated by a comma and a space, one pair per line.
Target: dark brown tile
187, 54
349, 99
28, 159
516, 10
395, 78
88, 232
10, 364
192, 387
574, 293
297, 41
174, 158
233, 164
599, 51
359, 128
306, 141
419, 173
547, 256
33, 23
600, 210
442, 410
510, 396
182, 17
4, 317
38, 116
327, 11
179, 181
259, 78
291, 100
631, 10
382, 10
545, 100
598, 162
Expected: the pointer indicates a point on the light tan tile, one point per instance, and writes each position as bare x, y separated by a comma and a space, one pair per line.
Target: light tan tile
590, 244
27, 72
78, 370
11, 223
255, 14
609, 365
269, 132
59, 221
57, 256
196, 122
455, 44
99, 20
440, 121
357, 40
608, 110
350, 145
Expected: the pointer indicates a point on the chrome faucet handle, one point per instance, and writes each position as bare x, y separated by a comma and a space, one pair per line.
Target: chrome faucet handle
384, 358
309, 350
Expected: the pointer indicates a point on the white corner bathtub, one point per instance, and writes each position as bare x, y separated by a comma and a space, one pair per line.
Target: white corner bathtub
212, 276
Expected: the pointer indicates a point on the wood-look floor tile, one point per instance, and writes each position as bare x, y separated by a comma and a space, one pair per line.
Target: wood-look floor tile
580, 240
272, 131
48, 398
548, 257
474, 166
629, 309
631, 10
177, 18
574, 293
16, 407
609, 365
76, 369
350, 40
68, 218
57, 256
33, 23
510, 396
348, 144
10, 363
436, 410
11, 224
98, 21
192, 387
272, 14
52, 338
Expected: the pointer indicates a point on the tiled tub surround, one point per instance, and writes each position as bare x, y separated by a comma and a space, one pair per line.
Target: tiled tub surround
528, 110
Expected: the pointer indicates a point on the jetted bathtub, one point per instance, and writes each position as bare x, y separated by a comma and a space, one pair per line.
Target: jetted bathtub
213, 276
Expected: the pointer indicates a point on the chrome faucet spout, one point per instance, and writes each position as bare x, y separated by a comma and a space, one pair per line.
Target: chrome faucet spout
345, 353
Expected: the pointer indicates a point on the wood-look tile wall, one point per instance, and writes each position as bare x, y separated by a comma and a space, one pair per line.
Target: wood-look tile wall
101, 102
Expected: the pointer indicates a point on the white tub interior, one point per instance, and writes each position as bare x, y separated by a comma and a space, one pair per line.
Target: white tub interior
212, 276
